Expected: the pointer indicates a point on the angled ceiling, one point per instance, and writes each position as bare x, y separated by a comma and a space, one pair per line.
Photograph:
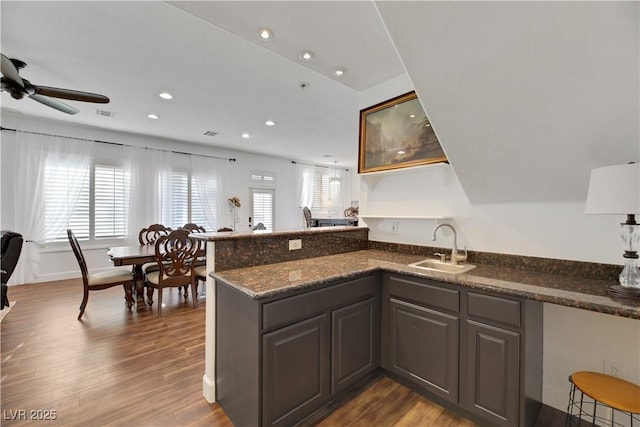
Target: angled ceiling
208, 55
526, 97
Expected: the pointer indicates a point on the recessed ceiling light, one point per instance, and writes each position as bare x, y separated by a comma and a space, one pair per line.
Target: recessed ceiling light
153, 116
412, 115
246, 135
265, 34
428, 125
400, 152
270, 123
339, 71
307, 55
166, 95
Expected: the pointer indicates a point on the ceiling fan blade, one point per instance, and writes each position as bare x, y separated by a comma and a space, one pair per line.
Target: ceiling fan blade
10, 71
54, 103
74, 95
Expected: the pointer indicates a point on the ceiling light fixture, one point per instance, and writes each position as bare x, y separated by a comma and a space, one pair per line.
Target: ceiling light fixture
153, 116
166, 95
339, 71
400, 152
246, 135
270, 123
265, 34
306, 55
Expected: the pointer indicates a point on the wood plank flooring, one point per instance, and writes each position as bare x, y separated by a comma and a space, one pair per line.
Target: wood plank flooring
123, 368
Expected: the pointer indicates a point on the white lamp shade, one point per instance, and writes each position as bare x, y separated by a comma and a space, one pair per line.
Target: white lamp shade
614, 190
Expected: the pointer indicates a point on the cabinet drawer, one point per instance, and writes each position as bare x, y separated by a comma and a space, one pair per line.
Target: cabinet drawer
423, 293
288, 310
490, 309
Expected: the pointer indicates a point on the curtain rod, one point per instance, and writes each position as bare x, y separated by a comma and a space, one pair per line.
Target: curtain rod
293, 162
113, 143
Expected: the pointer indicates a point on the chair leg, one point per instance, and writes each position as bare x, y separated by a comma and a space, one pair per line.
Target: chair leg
194, 294
150, 296
83, 305
185, 288
159, 301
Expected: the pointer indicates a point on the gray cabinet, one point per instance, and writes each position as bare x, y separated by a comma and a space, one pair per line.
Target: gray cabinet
424, 347
478, 351
296, 371
491, 383
299, 351
355, 343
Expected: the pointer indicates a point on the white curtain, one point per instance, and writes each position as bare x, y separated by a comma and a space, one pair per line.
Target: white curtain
35, 154
305, 184
147, 168
209, 175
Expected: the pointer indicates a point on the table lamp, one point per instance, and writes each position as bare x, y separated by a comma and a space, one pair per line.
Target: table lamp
616, 190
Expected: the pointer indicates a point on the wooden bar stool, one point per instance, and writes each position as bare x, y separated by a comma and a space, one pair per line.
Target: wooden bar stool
605, 390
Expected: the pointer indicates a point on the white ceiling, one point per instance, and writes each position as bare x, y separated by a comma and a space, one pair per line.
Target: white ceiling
207, 54
526, 97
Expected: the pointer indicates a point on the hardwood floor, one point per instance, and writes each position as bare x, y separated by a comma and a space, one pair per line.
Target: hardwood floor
123, 368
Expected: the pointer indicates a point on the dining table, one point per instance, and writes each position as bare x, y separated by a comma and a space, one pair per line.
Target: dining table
136, 256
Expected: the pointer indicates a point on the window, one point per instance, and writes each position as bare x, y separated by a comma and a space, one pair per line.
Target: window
111, 195
263, 206
181, 202
90, 200
326, 191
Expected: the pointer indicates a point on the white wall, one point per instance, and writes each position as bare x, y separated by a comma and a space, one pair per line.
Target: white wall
61, 264
573, 339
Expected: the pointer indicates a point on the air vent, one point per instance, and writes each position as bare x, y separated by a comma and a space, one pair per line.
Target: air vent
210, 133
105, 113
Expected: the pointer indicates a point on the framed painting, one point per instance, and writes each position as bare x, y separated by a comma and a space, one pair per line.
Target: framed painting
397, 134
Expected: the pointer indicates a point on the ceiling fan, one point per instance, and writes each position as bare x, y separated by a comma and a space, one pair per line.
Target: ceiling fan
18, 87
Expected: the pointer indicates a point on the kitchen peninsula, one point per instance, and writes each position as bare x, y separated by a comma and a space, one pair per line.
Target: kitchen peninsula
263, 306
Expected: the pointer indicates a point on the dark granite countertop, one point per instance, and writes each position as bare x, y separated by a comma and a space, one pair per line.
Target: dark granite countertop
281, 278
256, 234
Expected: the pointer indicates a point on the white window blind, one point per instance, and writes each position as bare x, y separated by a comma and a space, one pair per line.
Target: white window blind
67, 194
325, 188
181, 202
263, 207
111, 202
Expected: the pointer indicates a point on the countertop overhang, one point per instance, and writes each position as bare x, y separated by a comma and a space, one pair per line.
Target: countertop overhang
272, 280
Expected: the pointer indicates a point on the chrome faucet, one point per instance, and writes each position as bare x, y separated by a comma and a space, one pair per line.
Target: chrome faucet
455, 256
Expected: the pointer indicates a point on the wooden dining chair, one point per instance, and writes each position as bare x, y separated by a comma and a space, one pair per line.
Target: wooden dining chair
102, 279
150, 234
176, 254
201, 262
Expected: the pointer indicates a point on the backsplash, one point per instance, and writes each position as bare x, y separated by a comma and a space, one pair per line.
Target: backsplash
585, 270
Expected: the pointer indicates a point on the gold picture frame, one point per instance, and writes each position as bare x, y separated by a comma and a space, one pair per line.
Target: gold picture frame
397, 134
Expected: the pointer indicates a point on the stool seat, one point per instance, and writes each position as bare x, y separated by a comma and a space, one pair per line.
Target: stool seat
611, 391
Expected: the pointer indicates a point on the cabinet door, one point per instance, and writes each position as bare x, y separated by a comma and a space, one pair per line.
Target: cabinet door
491, 380
295, 370
424, 347
355, 343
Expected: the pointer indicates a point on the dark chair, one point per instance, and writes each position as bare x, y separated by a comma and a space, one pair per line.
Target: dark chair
308, 221
149, 235
223, 229
11, 248
194, 228
175, 255
201, 262
101, 280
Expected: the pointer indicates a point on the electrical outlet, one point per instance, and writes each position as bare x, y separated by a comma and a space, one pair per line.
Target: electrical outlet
394, 227
613, 368
295, 244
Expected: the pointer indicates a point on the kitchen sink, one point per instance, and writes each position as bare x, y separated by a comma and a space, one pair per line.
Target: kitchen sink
442, 267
